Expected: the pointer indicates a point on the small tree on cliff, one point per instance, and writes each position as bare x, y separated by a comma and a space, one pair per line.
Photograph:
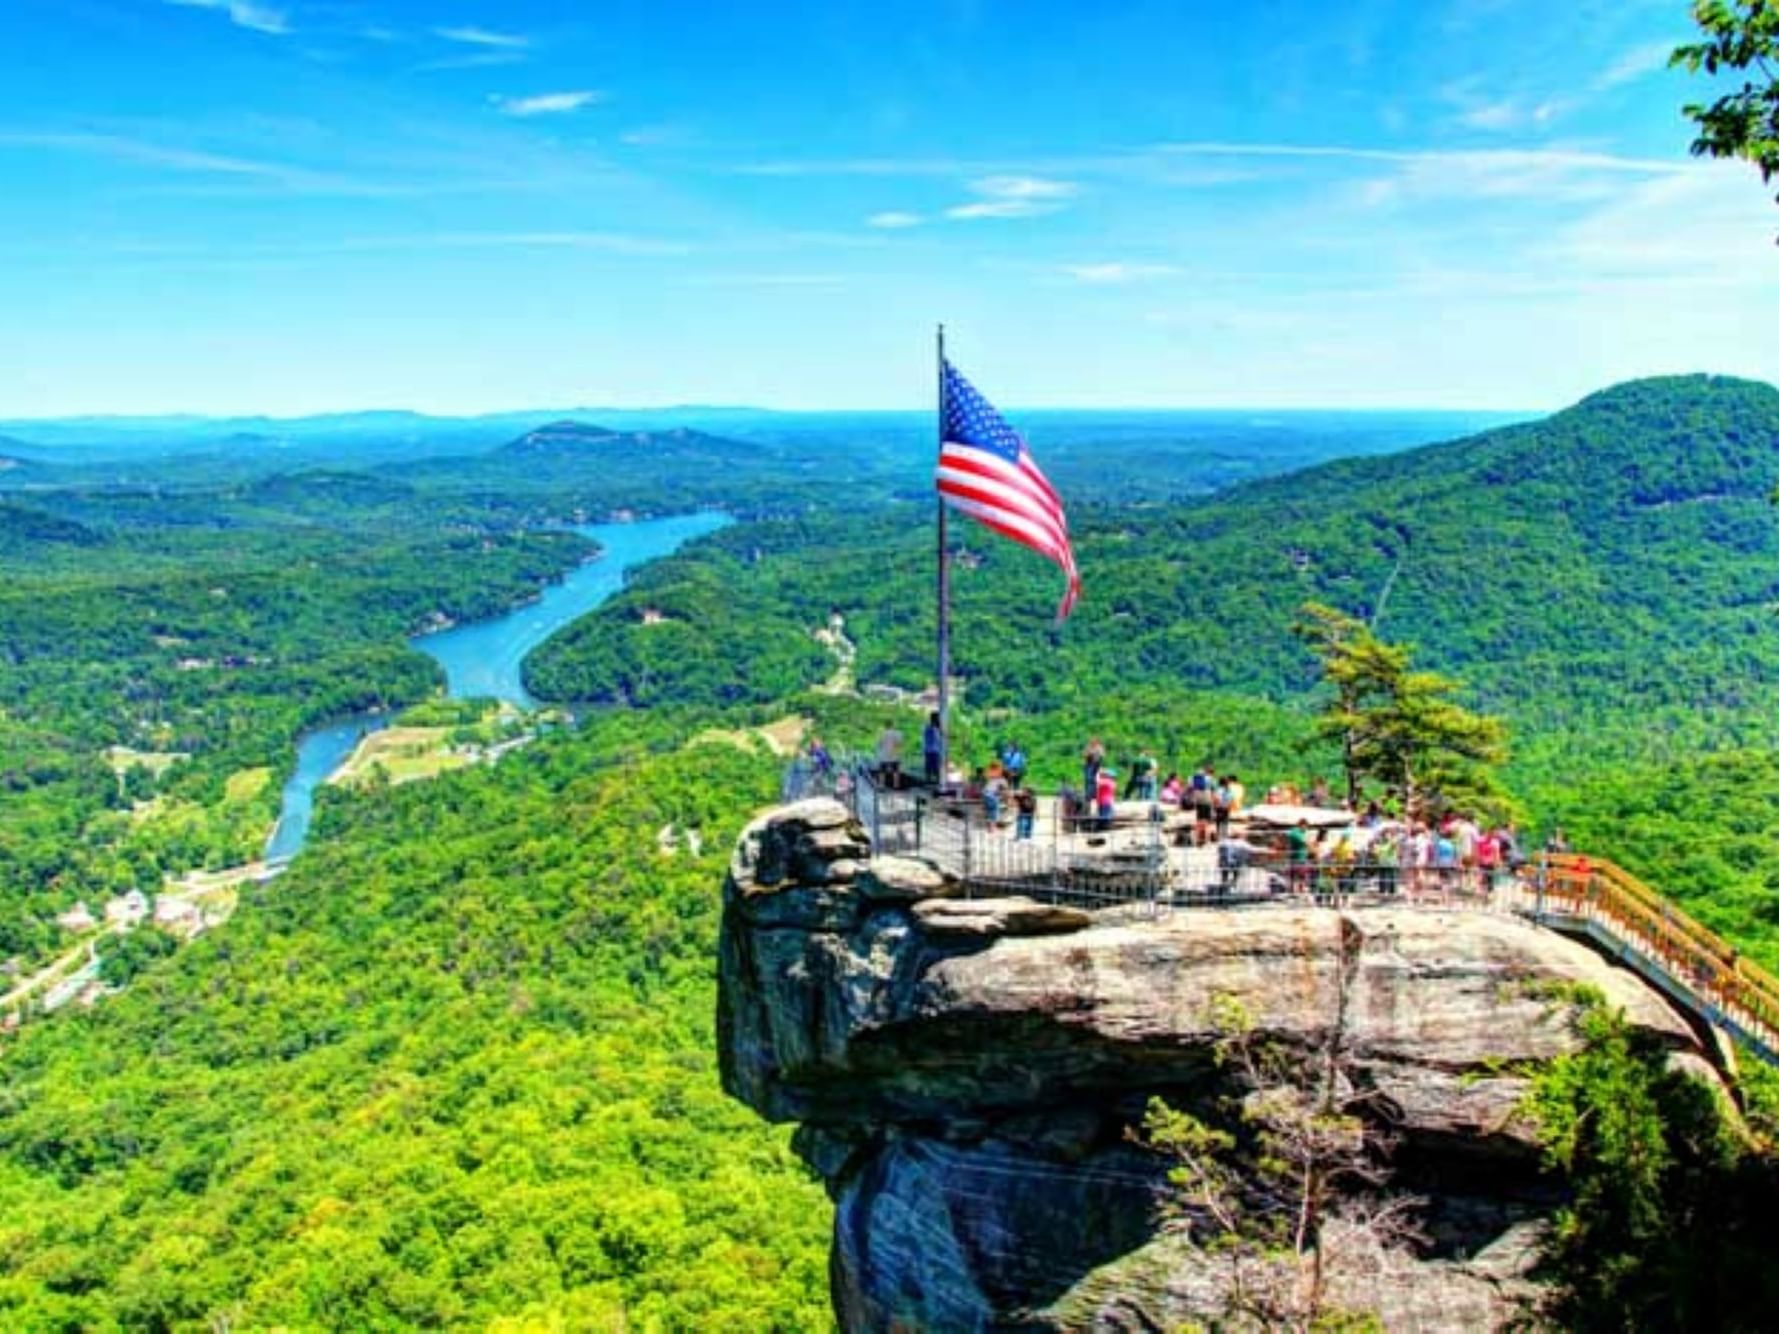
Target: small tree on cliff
1398, 727
1294, 1200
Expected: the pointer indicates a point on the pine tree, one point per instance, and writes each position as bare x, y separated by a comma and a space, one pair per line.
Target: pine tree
1398, 727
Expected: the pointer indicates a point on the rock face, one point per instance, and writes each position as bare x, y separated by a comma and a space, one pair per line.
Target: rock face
965, 1072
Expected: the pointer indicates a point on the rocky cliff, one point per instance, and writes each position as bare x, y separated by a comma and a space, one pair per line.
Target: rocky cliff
966, 1073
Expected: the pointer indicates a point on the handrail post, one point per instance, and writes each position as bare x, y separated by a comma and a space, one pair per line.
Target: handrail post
969, 887
1055, 850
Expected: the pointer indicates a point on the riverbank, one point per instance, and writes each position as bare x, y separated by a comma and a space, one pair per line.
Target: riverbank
485, 659
482, 660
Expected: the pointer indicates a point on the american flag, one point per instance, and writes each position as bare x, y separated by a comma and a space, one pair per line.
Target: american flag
986, 471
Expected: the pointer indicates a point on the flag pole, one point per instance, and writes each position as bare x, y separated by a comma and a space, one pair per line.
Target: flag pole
944, 594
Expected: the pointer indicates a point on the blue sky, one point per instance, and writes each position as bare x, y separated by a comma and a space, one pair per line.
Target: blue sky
303, 205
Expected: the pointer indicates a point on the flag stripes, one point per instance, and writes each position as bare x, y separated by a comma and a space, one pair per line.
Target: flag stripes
986, 472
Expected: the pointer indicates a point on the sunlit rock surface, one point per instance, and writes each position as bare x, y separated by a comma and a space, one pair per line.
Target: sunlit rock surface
965, 1071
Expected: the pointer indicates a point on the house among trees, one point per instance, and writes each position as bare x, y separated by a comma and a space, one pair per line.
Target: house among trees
127, 910
78, 918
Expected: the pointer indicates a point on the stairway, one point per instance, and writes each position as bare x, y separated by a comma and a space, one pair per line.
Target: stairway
1602, 902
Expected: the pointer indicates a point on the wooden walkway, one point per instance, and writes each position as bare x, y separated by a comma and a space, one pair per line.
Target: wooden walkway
1697, 969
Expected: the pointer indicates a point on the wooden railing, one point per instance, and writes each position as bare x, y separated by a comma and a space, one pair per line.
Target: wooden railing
1724, 987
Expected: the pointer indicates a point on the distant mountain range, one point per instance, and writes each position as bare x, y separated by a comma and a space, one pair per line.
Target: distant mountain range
114, 436
572, 438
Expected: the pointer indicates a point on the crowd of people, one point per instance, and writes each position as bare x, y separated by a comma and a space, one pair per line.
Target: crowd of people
1454, 854
1377, 848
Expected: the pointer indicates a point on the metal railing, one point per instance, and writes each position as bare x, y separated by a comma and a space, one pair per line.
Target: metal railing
1585, 895
992, 850
1146, 859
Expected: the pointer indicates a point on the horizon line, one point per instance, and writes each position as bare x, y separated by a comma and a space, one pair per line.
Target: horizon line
193, 417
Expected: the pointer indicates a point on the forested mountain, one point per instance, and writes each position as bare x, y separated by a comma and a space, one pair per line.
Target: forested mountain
1618, 556
1605, 578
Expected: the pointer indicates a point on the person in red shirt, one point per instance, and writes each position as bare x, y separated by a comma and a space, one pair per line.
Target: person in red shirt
1105, 792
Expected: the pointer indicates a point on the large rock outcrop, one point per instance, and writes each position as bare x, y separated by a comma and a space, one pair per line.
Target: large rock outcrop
965, 1072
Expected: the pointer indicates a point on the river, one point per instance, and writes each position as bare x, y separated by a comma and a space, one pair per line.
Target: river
483, 658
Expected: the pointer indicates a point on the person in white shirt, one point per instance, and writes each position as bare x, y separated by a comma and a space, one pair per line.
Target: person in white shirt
889, 756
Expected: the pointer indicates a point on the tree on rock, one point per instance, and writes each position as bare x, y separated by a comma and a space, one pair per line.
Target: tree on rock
1398, 727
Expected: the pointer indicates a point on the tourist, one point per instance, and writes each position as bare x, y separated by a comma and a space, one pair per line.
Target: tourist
1222, 803
1013, 761
1488, 860
819, 759
889, 755
1237, 793
1173, 792
1319, 794
1071, 810
994, 793
1373, 817
1464, 834
1512, 855
1105, 795
932, 749
1297, 854
1417, 857
1384, 855
1093, 759
1321, 855
1556, 843
1025, 806
1203, 793
1342, 860
1445, 860
1233, 857
1141, 784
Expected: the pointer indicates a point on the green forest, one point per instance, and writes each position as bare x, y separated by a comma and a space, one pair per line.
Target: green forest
456, 1067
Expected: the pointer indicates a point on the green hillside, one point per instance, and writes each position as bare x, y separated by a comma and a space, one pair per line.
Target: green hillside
1617, 560
457, 1066
1604, 578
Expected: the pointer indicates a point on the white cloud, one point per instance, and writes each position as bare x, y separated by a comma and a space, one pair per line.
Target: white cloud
121, 148
548, 104
1013, 197
1634, 64
1023, 187
1114, 272
245, 14
654, 136
1498, 114
471, 36
894, 219
1493, 116
1489, 170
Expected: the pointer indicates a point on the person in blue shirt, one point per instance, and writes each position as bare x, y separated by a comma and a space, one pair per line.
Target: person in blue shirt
1013, 762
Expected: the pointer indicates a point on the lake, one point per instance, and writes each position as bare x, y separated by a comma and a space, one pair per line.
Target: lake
483, 658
